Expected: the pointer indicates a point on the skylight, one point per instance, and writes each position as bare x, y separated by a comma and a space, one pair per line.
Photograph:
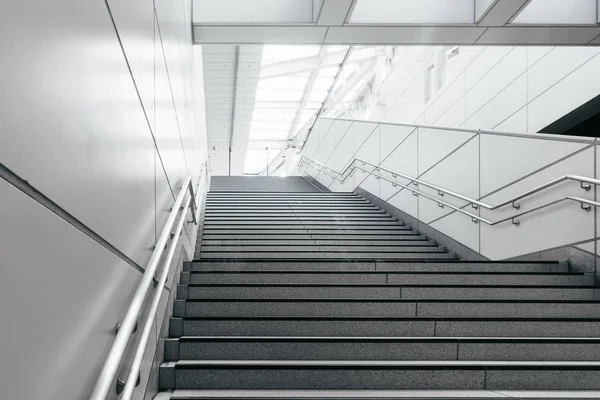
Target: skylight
294, 83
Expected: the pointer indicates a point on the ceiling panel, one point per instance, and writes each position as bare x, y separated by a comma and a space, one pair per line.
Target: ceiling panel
403, 35
539, 35
230, 79
259, 34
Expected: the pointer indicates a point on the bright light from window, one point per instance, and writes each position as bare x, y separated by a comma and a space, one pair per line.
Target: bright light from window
288, 97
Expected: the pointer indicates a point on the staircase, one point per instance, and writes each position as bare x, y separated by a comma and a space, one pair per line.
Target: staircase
316, 295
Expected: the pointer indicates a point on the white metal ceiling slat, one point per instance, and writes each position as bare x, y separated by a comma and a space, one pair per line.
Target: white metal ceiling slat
229, 101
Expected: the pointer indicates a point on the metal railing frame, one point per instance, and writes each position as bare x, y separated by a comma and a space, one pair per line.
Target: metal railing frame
186, 199
341, 176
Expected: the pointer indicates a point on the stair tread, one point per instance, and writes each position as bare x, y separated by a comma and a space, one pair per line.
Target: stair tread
486, 339
387, 285
390, 300
377, 394
385, 363
269, 241
467, 273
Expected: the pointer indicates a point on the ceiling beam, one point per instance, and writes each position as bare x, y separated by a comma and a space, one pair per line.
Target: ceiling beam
301, 65
502, 12
309, 64
307, 91
235, 78
335, 12
489, 32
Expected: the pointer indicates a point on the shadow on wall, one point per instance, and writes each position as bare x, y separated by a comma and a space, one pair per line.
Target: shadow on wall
583, 121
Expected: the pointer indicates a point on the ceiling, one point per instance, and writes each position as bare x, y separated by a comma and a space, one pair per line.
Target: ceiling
261, 100
269, 68
230, 80
385, 22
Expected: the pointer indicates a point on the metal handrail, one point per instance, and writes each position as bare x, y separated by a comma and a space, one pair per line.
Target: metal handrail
584, 182
127, 327
586, 205
539, 136
138, 358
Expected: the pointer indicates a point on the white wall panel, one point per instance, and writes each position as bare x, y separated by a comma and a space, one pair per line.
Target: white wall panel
561, 99
589, 247
506, 103
517, 122
328, 140
327, 145
166, 132
536, 53
486, 62
505, 159
452, 94
135, 20
89, 148
435, 144
369, 151
557, 64
460, 227
453, 116
390, 136
344, 150
361, 132
451, 159
554, 226
71, 290
458, 173
317, 133
346, 186
404, 158
505, 72
371, 185
405, 201
76, 131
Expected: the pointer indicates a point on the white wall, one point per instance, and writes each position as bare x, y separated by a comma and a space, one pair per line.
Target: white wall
521, 89
484, 166
98, 113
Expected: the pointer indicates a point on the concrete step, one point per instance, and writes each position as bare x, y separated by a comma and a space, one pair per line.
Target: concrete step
382, 348
409, 241
273, 248
382, 277
281, 202
285, 196
385, 326
291, 232
387, 308
213, 193
313, 225
421, 292
341, 235
293, 218
292, 207
368, 223
345, 374
378, 394
440, 266
284, 212
307, 256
